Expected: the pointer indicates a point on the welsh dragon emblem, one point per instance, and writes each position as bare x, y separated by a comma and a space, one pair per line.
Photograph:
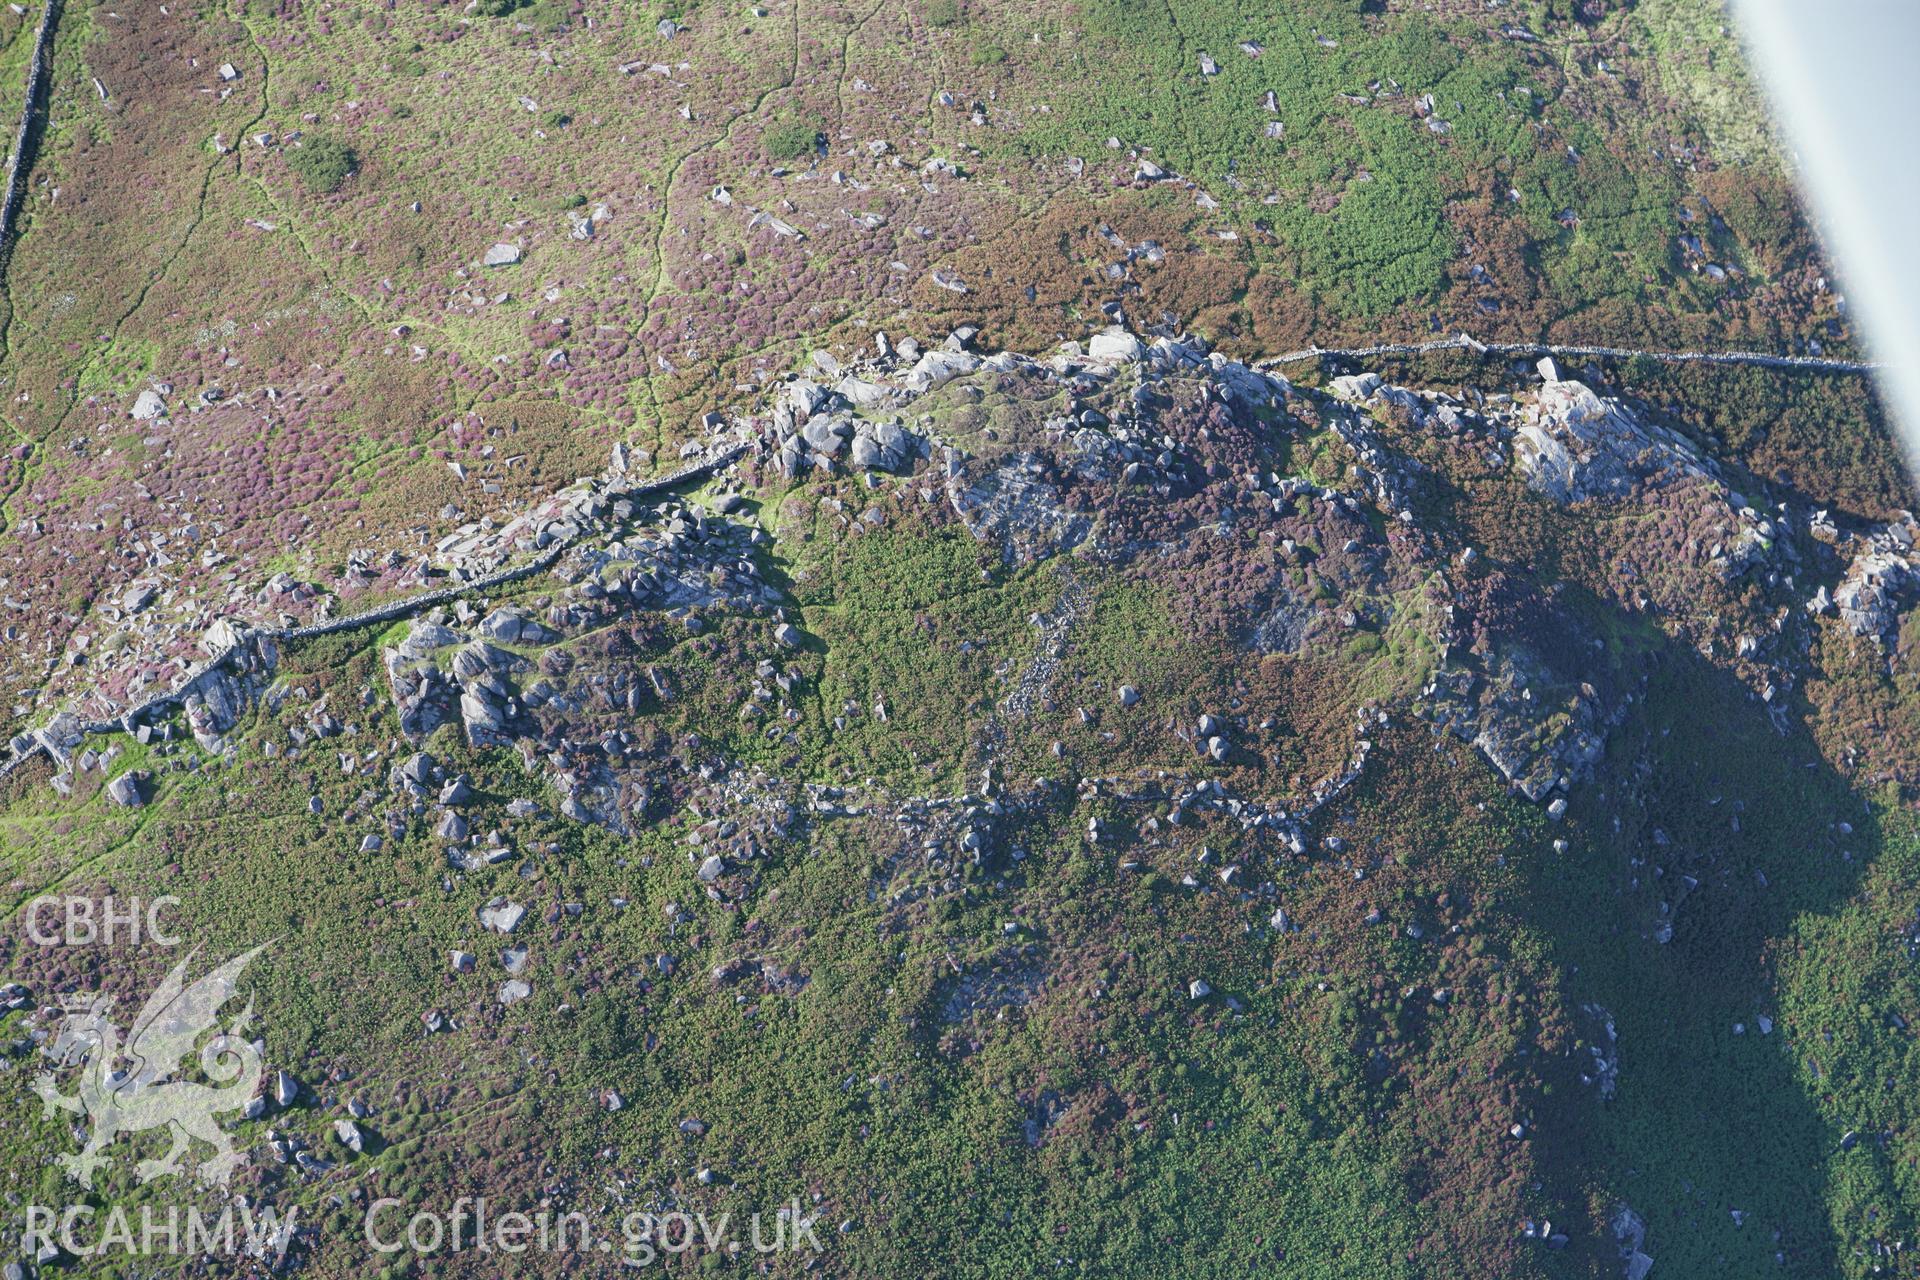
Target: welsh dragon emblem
131, 1088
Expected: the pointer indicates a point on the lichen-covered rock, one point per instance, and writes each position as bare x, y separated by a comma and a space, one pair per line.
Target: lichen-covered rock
1882, 579
1014, 505
1573, 445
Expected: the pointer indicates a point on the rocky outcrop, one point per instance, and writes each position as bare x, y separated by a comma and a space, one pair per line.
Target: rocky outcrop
1882, 579
1601, 1070
1014, 505
1537, 742
1574, 445
1126, 451
236, 648
1525, 682
819, 431
226, 689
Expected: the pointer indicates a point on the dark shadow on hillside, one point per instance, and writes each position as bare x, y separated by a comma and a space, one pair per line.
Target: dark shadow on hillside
1704, 834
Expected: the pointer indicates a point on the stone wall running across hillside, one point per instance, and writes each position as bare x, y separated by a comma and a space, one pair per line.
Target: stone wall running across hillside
39, 70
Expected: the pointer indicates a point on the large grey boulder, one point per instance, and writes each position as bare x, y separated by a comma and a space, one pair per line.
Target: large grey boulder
863, 394
350, 1136
803, 399
426, 636
826, 435
480, 714
1115, 345
937, 368
509, 626
502, 916
883, 446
